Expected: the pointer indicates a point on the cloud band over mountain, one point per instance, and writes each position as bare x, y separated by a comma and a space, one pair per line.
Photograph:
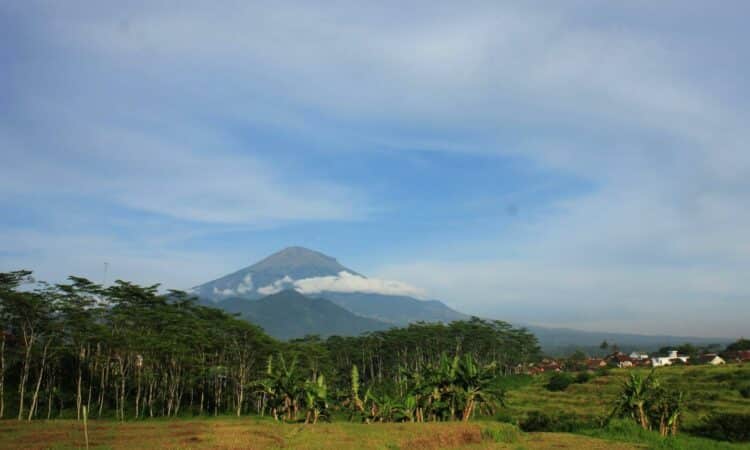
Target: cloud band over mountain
343, 282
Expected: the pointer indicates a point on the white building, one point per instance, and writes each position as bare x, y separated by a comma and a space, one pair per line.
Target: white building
712, 358
660, 361
640, 356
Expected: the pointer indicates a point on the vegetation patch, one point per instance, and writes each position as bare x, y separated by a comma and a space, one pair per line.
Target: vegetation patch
726, 427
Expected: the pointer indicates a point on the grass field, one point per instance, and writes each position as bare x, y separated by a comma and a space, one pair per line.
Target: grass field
253, 434
710, 389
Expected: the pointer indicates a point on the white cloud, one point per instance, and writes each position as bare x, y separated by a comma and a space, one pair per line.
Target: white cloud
246, 285
343, 282
276, 287
347, 282
224, 292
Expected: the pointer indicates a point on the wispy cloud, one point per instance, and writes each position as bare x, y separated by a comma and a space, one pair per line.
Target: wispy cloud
269, 114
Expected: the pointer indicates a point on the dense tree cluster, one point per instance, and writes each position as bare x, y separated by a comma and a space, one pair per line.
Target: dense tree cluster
131, 352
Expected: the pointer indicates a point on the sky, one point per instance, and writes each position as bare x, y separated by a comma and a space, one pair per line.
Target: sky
581, 164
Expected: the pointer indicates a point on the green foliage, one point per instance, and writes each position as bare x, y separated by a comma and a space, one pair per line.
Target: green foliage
629, 431
504, 434
740, 344
725, 427
582, 377
559, 381
648, 403
557, 422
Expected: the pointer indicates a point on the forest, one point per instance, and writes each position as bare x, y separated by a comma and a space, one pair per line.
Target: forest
128, 352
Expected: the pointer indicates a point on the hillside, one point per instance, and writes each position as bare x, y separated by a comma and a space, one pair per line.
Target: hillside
289, 315
399, 310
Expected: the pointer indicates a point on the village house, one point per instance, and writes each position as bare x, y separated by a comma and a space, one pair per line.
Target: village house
668, 360
712, 359
619, 359
740, 356
595, 363
638, 356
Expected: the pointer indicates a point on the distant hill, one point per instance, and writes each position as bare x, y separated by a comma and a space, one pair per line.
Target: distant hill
565, 340
289, 315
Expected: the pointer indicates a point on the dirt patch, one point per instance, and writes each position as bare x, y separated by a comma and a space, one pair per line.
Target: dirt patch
454, 438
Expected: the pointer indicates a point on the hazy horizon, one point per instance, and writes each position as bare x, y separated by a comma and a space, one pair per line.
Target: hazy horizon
562, 164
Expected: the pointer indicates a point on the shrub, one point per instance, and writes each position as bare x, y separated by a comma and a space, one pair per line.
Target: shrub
504, 416
559, 382
582, 377
733, 427
559, 422
603, 372
744, 391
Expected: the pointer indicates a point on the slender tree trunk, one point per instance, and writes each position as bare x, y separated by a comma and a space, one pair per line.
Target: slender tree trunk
49, 396
79, 382
35, 398
203, 396
138, 391
29, 342
2, 374
103, 385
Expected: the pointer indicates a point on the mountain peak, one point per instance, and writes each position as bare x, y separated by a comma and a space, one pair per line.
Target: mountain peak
272, 273
294, 259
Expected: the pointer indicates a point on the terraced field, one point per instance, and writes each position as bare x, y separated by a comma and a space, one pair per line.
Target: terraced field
709, 389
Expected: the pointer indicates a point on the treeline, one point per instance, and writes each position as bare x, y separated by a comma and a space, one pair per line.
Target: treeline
130, 352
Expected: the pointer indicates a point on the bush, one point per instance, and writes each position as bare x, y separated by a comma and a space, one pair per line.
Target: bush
603, 372
744, 391
733, 427
560, 422
559, 382
505, 434
582, 377
504, 416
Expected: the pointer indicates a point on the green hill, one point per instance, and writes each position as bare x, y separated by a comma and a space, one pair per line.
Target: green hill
289, 315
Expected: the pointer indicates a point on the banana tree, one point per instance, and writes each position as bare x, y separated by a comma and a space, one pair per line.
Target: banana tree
316, 400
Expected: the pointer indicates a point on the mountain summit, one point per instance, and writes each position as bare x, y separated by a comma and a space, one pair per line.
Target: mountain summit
272, 274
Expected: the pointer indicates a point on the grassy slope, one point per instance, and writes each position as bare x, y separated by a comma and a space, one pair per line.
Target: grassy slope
709, 389
226, 433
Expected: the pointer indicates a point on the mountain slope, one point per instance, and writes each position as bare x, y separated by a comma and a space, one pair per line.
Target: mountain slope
289, 315
396, 309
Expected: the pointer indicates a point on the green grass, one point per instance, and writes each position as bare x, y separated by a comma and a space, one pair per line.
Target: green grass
709, 390
626, 431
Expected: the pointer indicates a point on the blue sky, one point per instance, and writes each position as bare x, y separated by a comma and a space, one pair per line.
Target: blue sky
565, 163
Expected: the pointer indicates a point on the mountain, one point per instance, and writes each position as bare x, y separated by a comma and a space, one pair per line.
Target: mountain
275, 272
289, 314
321, 296
395, 309
307, 270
